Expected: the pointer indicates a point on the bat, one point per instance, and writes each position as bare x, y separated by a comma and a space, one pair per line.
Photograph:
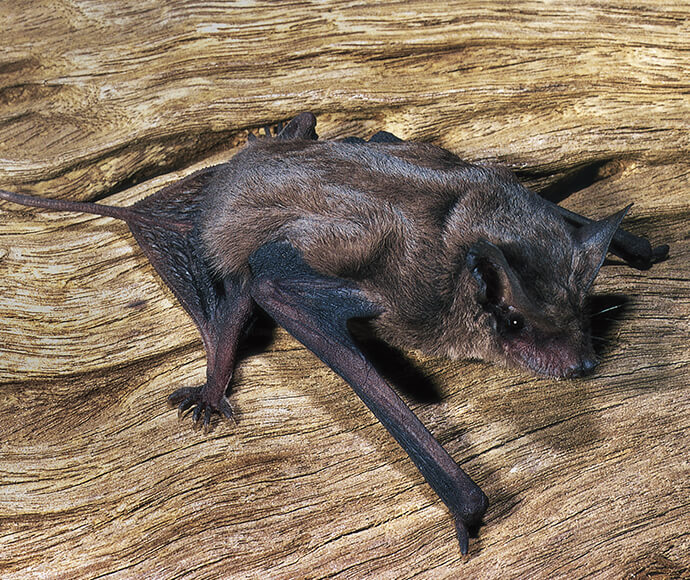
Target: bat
443, 256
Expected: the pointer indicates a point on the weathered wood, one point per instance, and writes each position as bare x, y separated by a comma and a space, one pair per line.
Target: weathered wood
112, 100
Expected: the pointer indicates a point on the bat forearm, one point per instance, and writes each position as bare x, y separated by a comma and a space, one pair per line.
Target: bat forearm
463, 497
315, 310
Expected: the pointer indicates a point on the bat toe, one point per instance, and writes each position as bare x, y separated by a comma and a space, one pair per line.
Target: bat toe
225, 410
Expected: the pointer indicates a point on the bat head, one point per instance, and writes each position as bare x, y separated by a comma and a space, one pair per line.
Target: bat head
533, 297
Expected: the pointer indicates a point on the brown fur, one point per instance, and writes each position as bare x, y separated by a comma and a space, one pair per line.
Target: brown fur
460, 259
399, 218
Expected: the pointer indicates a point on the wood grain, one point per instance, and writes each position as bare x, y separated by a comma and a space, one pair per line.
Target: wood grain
113, 100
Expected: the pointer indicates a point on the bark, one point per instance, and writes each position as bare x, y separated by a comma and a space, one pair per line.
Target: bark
112, 100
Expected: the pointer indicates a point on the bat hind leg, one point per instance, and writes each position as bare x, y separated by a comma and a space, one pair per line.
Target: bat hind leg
221, 335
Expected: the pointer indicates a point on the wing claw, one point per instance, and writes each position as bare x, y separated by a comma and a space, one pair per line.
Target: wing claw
463, 536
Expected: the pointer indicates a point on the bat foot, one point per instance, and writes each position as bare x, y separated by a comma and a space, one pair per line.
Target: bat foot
195, 400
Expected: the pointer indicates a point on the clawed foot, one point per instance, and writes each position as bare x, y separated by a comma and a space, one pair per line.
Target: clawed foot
195, 398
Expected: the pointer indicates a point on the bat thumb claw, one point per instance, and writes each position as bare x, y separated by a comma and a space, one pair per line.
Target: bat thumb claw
660, 253
463, 536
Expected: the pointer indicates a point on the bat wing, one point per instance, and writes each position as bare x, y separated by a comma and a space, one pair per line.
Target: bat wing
168, 235
165, 226
167, 232
636, 251
315, 309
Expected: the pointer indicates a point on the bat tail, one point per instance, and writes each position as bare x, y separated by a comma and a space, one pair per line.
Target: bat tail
120, 213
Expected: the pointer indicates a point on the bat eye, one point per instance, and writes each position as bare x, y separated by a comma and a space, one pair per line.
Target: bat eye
515, 322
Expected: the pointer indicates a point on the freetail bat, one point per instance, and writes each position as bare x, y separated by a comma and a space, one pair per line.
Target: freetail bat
443, 256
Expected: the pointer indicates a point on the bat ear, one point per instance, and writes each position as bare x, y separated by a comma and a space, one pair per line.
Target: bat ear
593, 242
497, 281
301, 127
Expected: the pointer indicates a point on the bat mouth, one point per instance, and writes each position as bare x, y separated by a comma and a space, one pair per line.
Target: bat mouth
579, 369
553, 357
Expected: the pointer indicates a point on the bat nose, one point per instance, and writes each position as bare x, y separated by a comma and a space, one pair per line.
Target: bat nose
588, 364
584, 366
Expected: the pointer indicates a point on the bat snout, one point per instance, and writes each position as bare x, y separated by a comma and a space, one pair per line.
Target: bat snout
583, 367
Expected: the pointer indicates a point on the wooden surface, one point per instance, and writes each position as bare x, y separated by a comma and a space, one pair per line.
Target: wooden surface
111, 100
